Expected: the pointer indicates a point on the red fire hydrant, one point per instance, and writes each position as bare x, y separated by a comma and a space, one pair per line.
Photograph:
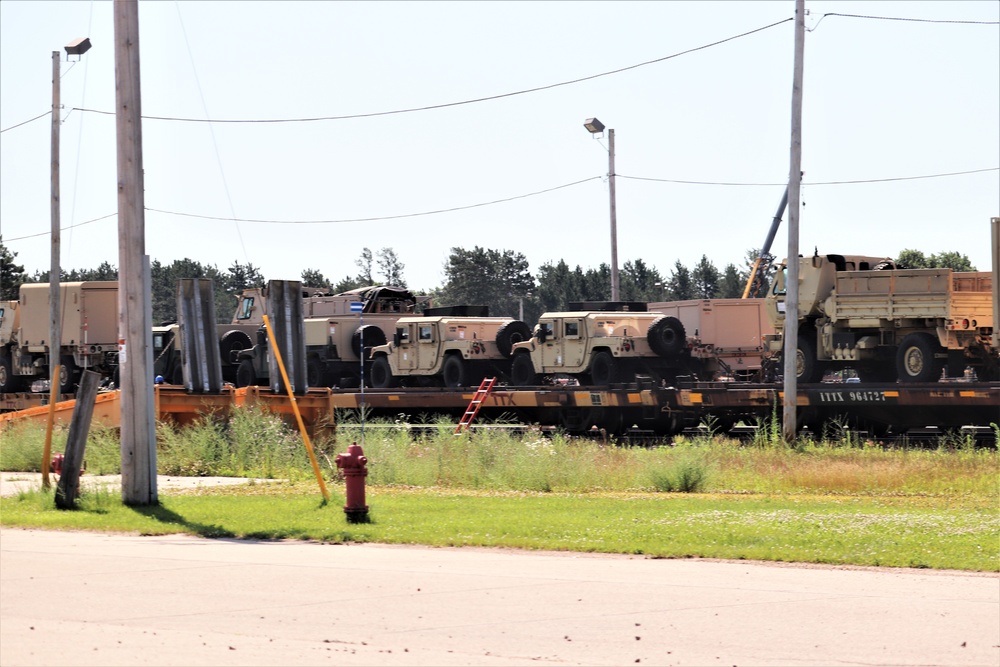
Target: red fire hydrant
353, 470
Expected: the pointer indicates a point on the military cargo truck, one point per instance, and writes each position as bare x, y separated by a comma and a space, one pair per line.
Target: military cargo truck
601, 348
333, 339
725, 337
908, 324
447, 347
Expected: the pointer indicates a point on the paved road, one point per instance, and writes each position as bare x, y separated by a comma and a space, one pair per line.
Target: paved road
97, 599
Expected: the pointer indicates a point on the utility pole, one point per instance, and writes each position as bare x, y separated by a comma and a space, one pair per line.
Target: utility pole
614, 216
55, 333
791, 328
138, 436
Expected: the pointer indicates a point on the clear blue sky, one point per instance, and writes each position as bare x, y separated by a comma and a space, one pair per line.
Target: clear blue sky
882, 100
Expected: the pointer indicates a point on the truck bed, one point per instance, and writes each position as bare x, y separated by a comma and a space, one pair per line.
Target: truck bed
866, 297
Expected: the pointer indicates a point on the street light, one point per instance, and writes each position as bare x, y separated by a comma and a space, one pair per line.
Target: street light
595, 127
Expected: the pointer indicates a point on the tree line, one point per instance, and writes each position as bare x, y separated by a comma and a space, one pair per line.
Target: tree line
499, 279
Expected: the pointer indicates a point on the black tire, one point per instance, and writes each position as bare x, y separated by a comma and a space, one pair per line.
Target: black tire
604, 369
374, 337
522, 371
509, 333
9, 382
666, 336
454, 372
915, 358
232, 342
246, 376
314, 373
67, 375
177, 377
807, 368
381, 376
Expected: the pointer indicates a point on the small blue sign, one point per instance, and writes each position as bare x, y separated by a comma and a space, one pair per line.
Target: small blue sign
357, 306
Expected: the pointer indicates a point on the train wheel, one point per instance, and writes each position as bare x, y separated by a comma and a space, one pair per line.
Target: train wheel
916, 360
522, 371
381, 373
603, 369
453, 372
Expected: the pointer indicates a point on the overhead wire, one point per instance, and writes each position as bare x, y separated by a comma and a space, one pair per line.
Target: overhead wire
853, 182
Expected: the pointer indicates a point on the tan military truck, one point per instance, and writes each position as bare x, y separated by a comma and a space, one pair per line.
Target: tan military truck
334, 334
602, 347
89, 332
861, 312
451, 347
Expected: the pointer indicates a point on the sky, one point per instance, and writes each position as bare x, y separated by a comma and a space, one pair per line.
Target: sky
882, 100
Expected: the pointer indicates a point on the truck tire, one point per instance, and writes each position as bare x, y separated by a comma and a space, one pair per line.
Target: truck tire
314, 373
67, 375
603, 369
8, 381
232, 342
454, 372
915, 358
807, 368
666, 336
522, 371
178, 375
374, 337
246, 376
512, 332
381, 373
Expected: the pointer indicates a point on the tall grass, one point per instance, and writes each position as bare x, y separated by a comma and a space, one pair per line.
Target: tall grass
253, 443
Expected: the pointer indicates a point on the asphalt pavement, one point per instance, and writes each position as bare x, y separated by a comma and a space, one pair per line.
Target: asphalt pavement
98, 599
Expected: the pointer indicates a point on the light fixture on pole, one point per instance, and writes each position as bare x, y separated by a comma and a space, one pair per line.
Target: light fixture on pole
595, 127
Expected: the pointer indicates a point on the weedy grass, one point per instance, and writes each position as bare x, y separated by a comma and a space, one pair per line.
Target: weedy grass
824, 501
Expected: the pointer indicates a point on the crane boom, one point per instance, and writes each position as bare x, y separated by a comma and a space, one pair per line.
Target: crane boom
755, 283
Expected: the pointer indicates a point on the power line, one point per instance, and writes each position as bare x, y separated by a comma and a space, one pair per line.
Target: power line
903, 18
27, 121
385, 217
79, 224
870, 180
455, 104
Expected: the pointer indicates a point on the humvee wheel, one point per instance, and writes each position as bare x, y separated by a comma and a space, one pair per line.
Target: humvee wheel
512, 332
381, 374
245, 374
915, 360
666, 336
453, 372
604, 369
314, 372
373, 337
522, 371
231, 343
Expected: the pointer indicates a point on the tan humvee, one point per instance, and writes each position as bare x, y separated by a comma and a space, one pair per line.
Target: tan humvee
453, 351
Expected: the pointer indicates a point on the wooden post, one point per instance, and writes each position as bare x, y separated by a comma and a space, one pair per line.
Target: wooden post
614, 216
55, 332
791, 329
138, 441
76, 442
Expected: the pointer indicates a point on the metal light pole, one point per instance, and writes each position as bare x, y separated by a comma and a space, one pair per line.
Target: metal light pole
595, 126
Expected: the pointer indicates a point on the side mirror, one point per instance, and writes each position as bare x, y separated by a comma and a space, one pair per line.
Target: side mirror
397, 338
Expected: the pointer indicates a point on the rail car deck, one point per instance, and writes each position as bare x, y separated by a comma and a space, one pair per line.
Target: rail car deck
878, 408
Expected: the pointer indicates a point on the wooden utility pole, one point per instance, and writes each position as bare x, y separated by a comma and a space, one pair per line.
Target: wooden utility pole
614, 216
791, 328
55, 333
138, 437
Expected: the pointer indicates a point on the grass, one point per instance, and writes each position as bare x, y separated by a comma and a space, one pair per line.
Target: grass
826, 501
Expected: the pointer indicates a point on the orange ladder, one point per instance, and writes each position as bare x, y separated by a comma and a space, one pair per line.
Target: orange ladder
477, 402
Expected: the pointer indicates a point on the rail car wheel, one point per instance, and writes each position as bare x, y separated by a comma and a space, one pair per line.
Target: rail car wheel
381, 373
807, 368
522, 371
373, 335
916, 360
604, 369
231, 343
512, 332
666, 336
454, 372
245, 374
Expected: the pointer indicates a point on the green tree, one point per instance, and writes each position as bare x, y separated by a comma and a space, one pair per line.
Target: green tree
313, 278
11, 275
705, 278
952, 260
365, 263
732, 283
680, 287
494, 278
390, 268
912, 259
638, 282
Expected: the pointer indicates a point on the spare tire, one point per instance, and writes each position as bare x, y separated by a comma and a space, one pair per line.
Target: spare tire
509, 333
374, 336
666, 336
233, 341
